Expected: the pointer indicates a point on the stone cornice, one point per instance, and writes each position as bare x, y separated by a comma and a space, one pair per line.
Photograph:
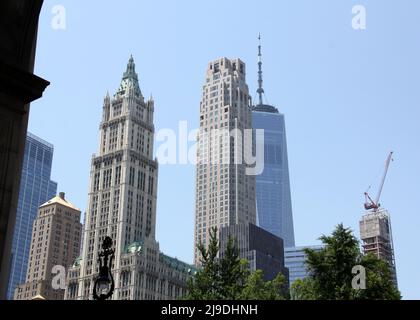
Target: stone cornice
123, 118
24, 86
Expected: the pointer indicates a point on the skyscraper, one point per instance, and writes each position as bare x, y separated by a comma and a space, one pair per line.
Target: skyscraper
295, 261
35, 189
376, 235
55, 242
274, 204
122, 205
375, 227
225, 193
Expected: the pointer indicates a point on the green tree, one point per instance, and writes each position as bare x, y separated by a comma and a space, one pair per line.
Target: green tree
331, 268
233, 272
379, 283
229, 278
331, 271
303, 289
206, 283
256, 288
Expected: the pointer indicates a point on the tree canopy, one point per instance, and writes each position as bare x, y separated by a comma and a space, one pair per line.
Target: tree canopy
229, 278
331, 272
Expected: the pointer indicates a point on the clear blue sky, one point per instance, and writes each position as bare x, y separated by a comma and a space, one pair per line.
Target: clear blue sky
349, 98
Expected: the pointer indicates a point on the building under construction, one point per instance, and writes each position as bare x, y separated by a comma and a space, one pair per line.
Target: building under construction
376, 234
375, 228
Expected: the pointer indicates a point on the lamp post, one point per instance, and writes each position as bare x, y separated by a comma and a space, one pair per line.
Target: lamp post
104, 284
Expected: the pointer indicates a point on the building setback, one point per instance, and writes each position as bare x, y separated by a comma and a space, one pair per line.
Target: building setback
225, 194
55, 242
36, 188
274, 201
122, 205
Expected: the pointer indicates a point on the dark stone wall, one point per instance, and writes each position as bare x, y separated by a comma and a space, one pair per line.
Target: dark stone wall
18, 87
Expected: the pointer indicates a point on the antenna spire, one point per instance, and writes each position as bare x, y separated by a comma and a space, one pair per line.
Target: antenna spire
260, 90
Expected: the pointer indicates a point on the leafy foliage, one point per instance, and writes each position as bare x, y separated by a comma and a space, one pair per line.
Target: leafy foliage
233, 272
229, 278
256, 288
303, 289
379, 284
331, 272
206, 284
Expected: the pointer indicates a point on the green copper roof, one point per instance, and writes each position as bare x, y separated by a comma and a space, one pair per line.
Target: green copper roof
134, 247
174, 263
77, 262
177, 264
130, 80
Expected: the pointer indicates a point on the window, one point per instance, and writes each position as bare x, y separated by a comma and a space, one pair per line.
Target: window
107, 179
131, 177
216, 67
117, 175
96, 182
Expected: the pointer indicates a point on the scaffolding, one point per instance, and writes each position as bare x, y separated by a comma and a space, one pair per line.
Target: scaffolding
376, 235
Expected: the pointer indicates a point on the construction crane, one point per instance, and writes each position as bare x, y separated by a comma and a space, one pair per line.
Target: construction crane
375, 205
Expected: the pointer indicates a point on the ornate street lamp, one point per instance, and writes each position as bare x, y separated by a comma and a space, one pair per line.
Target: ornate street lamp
104, 284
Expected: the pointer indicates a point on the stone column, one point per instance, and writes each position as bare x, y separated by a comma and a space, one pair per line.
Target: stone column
18, 88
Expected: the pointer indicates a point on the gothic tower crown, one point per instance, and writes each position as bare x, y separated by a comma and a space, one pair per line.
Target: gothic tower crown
130, 80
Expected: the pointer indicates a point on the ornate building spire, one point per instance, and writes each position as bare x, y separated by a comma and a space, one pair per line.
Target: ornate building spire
260, 90
130, 79
106, 107
260, 106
